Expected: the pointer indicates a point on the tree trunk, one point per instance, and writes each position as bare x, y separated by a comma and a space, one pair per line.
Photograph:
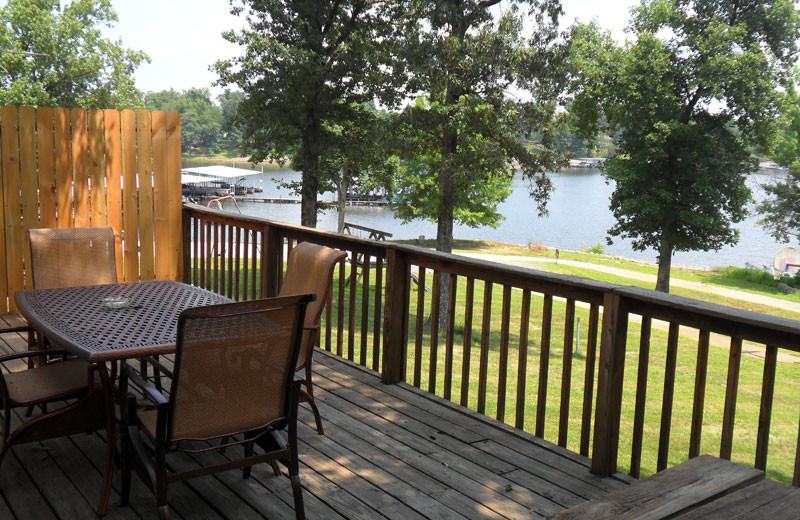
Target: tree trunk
308, 193
664, 264
342, 196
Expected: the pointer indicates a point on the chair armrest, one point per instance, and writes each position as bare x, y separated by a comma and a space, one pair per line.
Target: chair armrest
150, 390
31, 353
156, 365
311, 327
22, 328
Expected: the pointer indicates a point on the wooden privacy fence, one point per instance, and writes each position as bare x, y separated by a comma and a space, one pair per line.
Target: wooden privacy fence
80, 168
648, 381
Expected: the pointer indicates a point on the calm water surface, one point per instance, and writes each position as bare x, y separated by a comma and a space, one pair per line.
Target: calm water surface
578, 217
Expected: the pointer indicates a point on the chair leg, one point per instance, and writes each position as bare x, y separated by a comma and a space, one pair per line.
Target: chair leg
297, 491
102, 506
309, 396
248, 452
163, 512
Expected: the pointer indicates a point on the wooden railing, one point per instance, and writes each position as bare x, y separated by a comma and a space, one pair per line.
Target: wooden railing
509, 346
65, 168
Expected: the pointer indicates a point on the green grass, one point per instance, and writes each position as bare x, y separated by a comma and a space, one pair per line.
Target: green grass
784, 426
744, 279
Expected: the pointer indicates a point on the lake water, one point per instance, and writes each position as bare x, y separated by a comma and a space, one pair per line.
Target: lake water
578, 217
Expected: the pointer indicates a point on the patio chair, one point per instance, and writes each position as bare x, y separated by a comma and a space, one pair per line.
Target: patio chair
310, 270
233, 379
71, 257
84, 390
61, 257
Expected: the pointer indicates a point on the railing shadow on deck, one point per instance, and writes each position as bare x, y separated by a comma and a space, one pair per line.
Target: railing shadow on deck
652, 379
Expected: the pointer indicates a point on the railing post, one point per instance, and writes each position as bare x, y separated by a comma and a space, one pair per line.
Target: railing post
186, 227
609, 385
272, 261
395, 317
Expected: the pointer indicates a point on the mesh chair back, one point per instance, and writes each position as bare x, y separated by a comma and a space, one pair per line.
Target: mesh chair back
309, 270
71, 257
233, 366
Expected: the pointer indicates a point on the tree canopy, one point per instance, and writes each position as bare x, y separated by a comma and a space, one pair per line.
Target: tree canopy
687, 99
463, 138
54, 55
781, 208
201, 119
306, 66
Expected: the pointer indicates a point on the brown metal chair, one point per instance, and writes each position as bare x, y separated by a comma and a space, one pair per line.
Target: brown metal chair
310, 270
72, 257
62, 258
233, 375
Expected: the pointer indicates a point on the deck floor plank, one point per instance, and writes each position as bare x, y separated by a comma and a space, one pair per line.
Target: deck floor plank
389, 452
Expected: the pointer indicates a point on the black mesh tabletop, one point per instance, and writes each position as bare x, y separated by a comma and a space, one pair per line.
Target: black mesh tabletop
76, 319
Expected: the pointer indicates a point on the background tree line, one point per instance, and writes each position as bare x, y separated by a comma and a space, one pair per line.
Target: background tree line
440, 102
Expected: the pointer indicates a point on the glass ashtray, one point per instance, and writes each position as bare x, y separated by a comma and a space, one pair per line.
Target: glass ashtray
116, 302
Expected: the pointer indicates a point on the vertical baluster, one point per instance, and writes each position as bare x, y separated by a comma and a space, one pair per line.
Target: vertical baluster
522, 362
566, 373
765, 414
467, 341
731, 390
215, 260
588, 378
796, 479
237, 231
502, 375
289, 247
448, 348
699, 394
420, 325
641, 396
351, 324
433, 361
229, 230
376, 324
486, 329
207, 257
340, 309
669, 393
266, 282
258, 265
544, 364
364, 309
248, 269
328, 319
196, 265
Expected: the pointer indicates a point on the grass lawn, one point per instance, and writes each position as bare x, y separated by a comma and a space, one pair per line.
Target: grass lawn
751, 280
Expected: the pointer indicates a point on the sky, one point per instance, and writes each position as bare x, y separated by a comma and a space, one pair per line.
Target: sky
183, 37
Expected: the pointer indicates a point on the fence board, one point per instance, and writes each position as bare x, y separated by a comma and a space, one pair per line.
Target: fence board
174, 195
113, 166
163, 252
144, 174
80, 166
130, 199
97, 188
11, 201
28, 184
47, 166
63, 150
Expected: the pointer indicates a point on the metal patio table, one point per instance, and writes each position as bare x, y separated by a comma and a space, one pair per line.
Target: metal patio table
76, 319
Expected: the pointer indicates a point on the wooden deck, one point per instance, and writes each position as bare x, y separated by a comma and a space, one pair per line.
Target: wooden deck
389, 452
